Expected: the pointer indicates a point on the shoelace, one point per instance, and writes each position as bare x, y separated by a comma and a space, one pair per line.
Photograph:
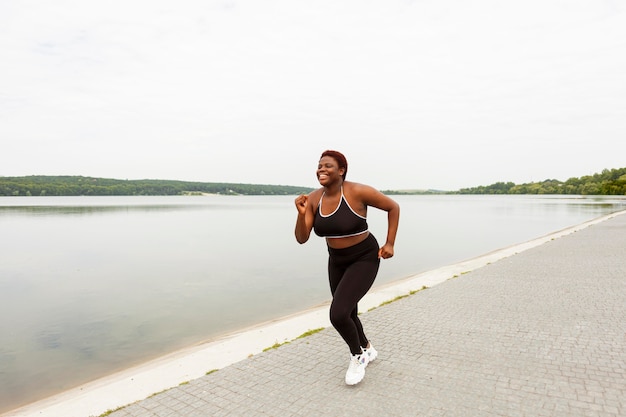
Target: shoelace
357, 360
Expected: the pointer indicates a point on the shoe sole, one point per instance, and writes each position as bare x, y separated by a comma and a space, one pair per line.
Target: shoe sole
356, 382
353, 383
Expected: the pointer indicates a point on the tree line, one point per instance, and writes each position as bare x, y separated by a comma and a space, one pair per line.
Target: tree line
88, 186
608, 182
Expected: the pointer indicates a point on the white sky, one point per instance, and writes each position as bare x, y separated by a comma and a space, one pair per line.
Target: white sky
418, 94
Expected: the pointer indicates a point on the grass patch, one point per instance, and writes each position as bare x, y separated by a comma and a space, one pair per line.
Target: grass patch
109, 412
462, 273
400, 297
309, 333
211, 371
275, 346
302, 336
424, 287
157, 393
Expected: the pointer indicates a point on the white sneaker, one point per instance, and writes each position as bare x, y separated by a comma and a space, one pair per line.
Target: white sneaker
371, 353
356, 370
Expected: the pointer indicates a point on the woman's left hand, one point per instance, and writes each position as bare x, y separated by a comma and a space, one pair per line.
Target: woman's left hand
386, 251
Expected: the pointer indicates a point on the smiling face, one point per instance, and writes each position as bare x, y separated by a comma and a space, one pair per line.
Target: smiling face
328, 171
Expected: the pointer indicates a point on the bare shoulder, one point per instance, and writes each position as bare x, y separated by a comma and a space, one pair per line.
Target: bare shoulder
314, 197
359, 190
370, 196
316, 193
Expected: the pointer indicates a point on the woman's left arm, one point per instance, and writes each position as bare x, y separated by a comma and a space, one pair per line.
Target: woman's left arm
375, 198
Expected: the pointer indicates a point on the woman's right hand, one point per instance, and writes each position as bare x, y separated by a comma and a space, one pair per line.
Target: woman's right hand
304, 223
301, 203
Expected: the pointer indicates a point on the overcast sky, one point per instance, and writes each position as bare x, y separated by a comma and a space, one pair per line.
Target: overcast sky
440, 94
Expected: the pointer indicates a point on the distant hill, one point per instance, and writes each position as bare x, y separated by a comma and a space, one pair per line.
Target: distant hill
608, 182
40, 185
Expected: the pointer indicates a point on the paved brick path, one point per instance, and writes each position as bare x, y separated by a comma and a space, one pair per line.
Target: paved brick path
540, 333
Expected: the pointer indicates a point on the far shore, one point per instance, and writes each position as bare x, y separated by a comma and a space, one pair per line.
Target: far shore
139, 382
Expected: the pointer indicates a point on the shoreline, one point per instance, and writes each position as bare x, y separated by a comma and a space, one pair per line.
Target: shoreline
141, 381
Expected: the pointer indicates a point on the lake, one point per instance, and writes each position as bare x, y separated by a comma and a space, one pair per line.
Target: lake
93, 285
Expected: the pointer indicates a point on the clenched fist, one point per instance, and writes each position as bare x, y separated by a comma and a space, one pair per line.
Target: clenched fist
301, 203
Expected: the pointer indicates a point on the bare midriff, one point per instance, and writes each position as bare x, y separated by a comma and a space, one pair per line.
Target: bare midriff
346, 242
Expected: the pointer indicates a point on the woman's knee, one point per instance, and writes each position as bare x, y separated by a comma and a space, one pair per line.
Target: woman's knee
339, 316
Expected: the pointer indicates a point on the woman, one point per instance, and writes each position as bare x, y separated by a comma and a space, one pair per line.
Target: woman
337, 212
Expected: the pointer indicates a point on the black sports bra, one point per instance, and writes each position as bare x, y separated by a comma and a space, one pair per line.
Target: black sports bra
343, 222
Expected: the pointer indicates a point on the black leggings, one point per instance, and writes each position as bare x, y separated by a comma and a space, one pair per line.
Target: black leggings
351, 273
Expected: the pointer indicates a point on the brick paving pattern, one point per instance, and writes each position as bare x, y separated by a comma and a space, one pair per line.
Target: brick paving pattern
540, 333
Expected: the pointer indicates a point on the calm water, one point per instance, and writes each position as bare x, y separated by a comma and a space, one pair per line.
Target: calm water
92, 285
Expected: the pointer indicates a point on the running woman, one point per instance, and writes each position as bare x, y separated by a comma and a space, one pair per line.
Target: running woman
338, 212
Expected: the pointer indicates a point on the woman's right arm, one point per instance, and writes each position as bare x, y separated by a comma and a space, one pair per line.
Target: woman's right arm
304, 222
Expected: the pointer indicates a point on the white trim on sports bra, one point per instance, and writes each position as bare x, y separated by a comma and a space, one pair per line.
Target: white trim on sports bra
319, 209
350, 235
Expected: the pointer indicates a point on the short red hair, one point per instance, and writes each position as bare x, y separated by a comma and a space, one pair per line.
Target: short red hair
340, 158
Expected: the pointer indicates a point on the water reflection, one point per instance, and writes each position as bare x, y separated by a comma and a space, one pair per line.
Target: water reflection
51, 206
